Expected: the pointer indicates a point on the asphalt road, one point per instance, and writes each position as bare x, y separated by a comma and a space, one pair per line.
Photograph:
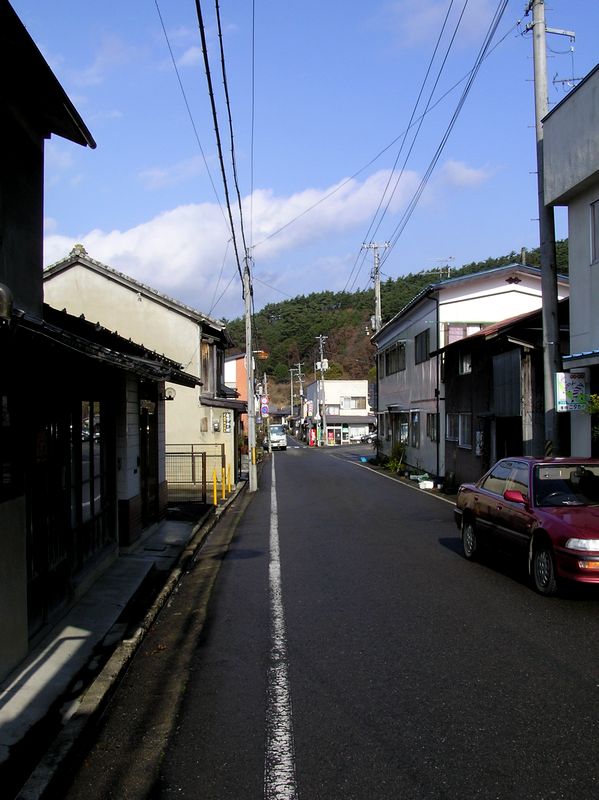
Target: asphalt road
339, 646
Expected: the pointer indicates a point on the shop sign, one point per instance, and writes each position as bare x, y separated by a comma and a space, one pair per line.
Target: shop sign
571, 393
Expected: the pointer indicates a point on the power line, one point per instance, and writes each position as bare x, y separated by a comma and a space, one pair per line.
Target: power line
217, 133
400, 227
220, 275
365, 238
230, 119
420, 121
191, 119
252, 121
382, 152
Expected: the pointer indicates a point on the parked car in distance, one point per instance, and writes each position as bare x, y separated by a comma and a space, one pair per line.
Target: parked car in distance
368, 438
545, 511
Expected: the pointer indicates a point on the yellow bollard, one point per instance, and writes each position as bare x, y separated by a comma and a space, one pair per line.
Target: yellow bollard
222, 482
214, 488
229, 486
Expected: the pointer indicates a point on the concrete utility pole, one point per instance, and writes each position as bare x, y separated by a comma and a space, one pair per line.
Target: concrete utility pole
300, 378
291, 371
551, 350
322, 339
249, 357
376, 276
267, 425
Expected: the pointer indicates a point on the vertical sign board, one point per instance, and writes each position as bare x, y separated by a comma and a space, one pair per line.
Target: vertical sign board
571, 394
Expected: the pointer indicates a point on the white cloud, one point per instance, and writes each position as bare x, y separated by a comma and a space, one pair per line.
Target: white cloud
57, 158
160, 177
456, 173
112, 53
180, 252
109, 114
191, 57
347, 204
419, 21
50, 226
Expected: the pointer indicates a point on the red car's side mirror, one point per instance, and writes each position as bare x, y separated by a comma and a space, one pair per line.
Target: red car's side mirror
512, 496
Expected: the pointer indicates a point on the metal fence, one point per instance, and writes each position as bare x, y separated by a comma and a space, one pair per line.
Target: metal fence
190, 469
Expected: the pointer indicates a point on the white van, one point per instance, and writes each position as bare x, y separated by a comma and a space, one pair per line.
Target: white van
278, 437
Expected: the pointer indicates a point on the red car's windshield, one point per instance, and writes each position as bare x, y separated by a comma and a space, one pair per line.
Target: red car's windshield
566, 485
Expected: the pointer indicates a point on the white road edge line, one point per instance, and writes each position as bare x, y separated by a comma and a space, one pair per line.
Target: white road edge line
279, 762
401, 483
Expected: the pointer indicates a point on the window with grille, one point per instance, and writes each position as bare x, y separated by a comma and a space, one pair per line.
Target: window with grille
422, 346
452, 427
395, 359
465, 363
208, 368
465, 431
432, 427
415, 429
348, 403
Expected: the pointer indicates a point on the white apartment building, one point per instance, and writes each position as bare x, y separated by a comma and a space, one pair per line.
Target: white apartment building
411, 393
347, 414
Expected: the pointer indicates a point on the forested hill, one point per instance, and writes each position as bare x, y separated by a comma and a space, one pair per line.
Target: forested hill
288, 330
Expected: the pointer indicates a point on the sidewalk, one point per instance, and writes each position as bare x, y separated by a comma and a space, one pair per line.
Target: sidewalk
55, 693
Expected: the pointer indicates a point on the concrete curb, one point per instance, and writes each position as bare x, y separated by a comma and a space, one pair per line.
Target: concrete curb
97, 695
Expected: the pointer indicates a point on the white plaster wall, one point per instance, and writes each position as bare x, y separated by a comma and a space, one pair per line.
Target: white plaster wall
159, 328
571, 141
335, 390
493, 303
231, 374
131, 314
584, 294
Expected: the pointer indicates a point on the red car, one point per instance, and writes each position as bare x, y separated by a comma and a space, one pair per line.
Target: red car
547, 510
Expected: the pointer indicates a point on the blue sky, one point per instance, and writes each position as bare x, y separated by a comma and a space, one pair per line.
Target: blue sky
335, 84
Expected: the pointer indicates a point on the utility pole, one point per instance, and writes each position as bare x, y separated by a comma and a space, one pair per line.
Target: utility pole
323, 421
300, 378
249, 357
291, 371
267, 425
376, 276
551, 346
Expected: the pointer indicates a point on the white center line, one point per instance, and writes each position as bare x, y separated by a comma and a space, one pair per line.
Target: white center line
279, 765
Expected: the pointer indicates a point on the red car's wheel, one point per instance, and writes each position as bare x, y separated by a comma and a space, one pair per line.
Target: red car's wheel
469, 540
543, 570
